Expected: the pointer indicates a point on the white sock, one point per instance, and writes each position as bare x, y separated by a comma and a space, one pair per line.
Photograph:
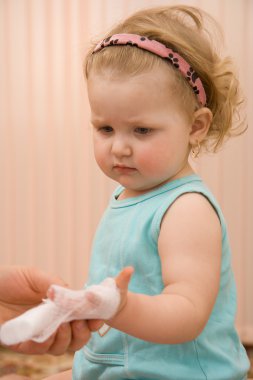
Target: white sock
39, 323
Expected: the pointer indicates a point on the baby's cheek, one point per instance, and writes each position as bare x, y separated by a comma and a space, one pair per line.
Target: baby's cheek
150, 162
101, 159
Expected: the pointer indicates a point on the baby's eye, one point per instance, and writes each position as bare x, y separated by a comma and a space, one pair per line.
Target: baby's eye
142, 130
106, 129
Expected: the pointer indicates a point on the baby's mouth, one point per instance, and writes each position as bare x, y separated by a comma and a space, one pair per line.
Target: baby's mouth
123, 168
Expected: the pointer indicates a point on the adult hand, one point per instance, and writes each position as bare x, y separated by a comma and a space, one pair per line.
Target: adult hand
13, 376
22, 288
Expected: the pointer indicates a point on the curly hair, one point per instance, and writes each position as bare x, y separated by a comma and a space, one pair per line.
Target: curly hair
196, 36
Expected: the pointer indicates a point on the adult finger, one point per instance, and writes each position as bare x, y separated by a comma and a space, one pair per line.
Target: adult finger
80, 335
33, 348
40, 281
13, 376
95, 324
62, 340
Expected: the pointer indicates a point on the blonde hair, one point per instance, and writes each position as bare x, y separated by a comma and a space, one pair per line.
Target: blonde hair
191, 32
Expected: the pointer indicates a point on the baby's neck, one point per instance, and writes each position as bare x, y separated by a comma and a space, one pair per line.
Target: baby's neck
131, 193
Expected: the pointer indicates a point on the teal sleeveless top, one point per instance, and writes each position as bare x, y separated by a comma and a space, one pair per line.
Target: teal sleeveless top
128, 235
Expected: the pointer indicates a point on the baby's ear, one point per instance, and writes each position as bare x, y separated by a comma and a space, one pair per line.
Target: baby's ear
202, 120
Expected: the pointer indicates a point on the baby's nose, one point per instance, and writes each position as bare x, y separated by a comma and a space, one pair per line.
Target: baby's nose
121, 147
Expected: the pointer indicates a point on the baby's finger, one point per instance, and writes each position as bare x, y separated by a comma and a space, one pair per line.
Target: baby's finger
124, 277
93, 298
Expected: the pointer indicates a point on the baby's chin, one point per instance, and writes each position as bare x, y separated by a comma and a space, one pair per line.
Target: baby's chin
135, 192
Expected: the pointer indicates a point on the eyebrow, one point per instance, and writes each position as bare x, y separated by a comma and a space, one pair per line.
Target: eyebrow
133, 122
96, 121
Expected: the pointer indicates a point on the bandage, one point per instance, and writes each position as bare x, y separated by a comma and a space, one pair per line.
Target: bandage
39, 323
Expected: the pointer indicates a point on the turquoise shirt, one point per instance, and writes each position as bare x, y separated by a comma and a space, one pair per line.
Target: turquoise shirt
128, 235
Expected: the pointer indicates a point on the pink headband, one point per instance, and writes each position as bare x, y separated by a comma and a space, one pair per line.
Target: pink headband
163, 51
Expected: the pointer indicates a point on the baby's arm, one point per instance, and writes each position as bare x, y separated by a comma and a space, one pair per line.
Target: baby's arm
190, 251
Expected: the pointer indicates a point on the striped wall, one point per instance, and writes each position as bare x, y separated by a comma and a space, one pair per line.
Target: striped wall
51, 192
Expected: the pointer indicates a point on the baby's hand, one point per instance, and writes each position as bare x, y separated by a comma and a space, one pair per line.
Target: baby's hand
122, 282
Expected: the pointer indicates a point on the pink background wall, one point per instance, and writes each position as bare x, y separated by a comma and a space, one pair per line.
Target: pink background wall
51, 192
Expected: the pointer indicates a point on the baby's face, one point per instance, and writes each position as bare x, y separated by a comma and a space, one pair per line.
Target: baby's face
141, 135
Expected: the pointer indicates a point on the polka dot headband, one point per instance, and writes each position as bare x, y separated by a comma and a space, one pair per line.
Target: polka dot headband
163, 51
